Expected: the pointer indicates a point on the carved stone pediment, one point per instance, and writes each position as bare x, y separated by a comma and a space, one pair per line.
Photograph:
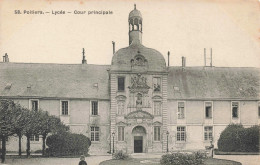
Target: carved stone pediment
139, 84
157, 123
121, 98
121, 123
139, 115
157, 97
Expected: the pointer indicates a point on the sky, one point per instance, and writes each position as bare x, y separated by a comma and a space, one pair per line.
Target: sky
183, 27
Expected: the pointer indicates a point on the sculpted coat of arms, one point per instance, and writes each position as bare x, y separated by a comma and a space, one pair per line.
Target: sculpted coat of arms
139, 84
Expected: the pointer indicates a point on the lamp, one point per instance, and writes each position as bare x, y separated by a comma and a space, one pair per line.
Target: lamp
167, 133
113, 135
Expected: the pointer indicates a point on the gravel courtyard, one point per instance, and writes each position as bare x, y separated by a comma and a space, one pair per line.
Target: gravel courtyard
244, 159
92, 160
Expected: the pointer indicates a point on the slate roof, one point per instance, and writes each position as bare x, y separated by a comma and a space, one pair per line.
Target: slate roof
88, 81
213, 83
54, 80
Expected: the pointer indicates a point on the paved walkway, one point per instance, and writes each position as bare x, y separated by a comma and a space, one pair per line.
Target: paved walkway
95, 160
244, 159
147, 155
92, 160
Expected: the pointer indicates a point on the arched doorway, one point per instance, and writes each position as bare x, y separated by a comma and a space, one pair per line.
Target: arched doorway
139, 138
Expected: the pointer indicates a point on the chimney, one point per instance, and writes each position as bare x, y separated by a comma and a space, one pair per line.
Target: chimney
113, 47
168, 58
209, 59
5, 58
84, 61
183, 60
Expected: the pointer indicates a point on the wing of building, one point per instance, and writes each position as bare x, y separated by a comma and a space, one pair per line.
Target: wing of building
136, 104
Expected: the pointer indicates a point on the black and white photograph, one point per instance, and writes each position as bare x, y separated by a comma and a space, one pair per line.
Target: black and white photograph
127, 82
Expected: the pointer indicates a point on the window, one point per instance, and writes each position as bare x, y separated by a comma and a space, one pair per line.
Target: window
181, 112
157, 133
35, 105
157, 108
94, 107
121, 83
64, 108
208, 109
120, 107
208, 131
94, 133
234, 109
156, 84
121, 133
34, 138
181, 134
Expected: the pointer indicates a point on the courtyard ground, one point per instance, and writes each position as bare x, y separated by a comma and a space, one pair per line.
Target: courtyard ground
91, 160
244, 159
151, 161
144, 158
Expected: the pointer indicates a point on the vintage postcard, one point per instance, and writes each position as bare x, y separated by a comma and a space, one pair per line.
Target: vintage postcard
129, 82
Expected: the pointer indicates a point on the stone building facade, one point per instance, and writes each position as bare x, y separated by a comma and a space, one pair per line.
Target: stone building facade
136, 104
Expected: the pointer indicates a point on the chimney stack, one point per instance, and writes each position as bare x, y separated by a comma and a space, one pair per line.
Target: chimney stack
84, 61
5, 58
209, 63
183, 61
113, 47
168, 58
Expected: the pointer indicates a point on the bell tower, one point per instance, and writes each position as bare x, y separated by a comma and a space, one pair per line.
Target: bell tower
135, 22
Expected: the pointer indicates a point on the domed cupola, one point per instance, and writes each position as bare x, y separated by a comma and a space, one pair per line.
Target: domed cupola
136, 57
135, 22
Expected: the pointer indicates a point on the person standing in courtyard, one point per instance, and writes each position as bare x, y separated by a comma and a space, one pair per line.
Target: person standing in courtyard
82, 160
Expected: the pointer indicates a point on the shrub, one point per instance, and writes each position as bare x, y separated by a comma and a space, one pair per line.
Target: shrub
67, 144
38, 151
236, 138
120, 155
196, 158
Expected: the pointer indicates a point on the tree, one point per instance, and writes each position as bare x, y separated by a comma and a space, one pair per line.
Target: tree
49, 124
20, 125
236, 138
31, 127
9, 116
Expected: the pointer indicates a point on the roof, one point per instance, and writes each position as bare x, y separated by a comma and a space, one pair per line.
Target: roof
54, 80
85, 81
213, 83
135, 13
122, 58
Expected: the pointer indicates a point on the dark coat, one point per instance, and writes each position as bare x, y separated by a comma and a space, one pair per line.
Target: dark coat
83, 162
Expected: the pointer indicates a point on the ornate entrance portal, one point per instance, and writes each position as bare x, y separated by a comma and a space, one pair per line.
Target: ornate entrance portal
139, 138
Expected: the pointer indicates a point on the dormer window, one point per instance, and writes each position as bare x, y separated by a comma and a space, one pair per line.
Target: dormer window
139, 60
34, 105
234, 108
208, 110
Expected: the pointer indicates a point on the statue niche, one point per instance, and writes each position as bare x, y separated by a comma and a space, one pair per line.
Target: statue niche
138, 93
139, 102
